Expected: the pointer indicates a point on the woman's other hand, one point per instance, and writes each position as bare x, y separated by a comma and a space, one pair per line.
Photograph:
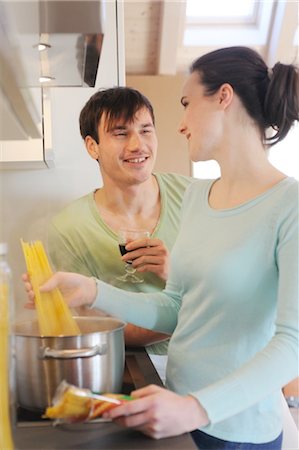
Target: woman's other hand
160, 413
77, 290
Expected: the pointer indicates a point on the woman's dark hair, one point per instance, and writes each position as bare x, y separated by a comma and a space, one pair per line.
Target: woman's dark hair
270, 96
117, 103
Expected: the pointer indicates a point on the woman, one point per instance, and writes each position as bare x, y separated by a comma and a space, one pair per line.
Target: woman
231, 300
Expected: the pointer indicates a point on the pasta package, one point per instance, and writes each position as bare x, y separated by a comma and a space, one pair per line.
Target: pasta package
72, 404
53, 314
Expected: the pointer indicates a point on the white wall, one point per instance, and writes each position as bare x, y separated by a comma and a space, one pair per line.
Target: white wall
164, 92
31, 197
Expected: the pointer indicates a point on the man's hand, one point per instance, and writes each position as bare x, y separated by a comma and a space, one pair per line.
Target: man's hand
148, 255
160, 413
77, 290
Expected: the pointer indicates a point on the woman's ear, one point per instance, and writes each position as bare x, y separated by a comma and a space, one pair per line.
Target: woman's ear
225, 95
92, 147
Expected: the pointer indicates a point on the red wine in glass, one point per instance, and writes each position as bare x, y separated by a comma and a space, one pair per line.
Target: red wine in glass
124, 237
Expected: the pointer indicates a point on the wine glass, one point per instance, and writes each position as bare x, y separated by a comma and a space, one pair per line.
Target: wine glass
124, 237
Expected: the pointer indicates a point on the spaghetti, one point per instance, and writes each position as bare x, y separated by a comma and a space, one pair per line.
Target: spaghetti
53, 314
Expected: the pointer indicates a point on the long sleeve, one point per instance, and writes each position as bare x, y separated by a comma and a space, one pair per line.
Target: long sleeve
156, 311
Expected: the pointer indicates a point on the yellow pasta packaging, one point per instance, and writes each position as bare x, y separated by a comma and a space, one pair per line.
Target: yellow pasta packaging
53, 314
72, 404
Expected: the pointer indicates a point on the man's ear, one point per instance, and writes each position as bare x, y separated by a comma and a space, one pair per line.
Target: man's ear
225, 95
92, 147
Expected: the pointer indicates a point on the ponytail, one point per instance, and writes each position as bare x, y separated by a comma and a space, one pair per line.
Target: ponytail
281, 106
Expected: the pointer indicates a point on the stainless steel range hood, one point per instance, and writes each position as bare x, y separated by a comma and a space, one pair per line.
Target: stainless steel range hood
72, 32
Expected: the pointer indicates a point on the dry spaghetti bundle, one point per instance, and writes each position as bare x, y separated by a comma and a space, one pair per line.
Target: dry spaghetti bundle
53, 314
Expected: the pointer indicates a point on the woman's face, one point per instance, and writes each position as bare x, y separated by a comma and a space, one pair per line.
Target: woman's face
202, 122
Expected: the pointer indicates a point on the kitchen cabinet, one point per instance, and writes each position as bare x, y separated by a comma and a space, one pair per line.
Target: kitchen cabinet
102, 435
26, 109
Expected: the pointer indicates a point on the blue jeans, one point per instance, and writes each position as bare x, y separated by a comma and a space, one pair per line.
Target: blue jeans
207, 442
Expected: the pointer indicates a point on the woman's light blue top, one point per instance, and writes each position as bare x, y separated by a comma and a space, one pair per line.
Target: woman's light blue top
231, 302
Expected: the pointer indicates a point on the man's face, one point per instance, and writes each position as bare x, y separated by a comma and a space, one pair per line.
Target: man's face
127, 151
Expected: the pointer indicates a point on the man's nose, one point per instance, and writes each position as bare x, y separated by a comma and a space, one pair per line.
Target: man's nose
134, 142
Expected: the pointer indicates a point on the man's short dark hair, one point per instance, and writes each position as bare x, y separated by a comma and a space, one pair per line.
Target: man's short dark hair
117, 103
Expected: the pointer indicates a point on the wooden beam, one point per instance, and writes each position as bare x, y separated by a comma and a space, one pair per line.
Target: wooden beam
172, 26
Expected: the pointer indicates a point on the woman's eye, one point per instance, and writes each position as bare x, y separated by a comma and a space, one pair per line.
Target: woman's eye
120, 133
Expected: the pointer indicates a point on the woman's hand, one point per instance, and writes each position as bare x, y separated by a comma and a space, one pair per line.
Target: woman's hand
160, 413
149, 255
77, 290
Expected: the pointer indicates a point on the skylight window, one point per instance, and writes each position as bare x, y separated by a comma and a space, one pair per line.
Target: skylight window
215, 10
216, 22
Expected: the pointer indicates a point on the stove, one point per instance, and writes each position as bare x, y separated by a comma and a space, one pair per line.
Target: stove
35, 433
139, 371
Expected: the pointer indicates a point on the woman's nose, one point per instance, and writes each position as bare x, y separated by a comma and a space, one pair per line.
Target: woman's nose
182, 128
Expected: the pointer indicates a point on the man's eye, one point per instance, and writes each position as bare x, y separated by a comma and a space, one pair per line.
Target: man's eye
146, 131
120, 133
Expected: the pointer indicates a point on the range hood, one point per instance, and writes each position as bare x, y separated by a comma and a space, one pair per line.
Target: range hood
72, 34
58, 41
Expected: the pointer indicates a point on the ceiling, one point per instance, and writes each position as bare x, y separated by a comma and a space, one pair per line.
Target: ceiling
154, 33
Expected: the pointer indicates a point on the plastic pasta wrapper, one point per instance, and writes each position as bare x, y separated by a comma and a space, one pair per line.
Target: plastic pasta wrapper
72, 404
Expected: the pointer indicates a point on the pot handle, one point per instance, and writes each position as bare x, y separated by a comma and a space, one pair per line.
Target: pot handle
47, 352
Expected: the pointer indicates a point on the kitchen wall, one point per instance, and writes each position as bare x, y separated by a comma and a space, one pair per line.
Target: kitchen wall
164, 92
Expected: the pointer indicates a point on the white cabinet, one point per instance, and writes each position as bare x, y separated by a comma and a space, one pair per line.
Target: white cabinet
26, 133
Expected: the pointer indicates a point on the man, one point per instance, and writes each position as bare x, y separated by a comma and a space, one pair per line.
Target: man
118, 128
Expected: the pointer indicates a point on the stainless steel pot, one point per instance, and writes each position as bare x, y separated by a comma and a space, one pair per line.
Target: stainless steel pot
93, 360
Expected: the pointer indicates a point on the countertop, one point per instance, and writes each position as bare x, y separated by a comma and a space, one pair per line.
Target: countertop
41, 435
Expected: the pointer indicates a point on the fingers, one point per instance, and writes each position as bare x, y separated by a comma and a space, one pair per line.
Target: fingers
141, 414
155, 264
59, 279
147, 390
29, 306
27, 284
145, 243
133, 414
77, 290
29, 291
25, 277
142, 400
156, 253
135, 406
50, 284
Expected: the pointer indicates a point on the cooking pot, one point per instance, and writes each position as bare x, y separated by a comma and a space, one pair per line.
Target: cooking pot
93, 360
